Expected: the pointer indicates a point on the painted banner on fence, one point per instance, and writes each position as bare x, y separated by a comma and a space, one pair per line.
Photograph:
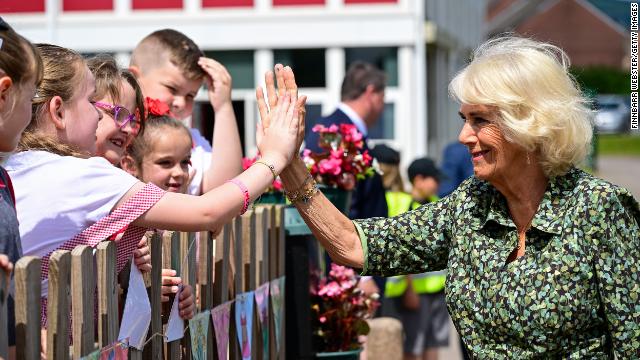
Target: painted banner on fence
277, 300
262, 300
244, 323
199, 328
137, 311
116, 351
220, 316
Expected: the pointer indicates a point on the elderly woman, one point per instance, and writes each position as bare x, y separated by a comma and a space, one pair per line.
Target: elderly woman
542, 258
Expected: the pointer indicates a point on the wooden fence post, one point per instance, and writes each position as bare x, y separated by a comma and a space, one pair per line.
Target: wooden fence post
107, 294
171, 260
205, 283
58, 305
188, 274
27, 300
156, 294
83, 286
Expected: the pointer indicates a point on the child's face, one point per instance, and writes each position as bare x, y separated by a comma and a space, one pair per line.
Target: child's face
168, 84
111, 139
167, 163
427, 186
16, 113
81, 117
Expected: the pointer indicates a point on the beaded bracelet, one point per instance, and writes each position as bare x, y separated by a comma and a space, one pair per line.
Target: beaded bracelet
271, 168
245, 192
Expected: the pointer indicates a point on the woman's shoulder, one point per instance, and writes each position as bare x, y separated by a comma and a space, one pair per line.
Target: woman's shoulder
602, 198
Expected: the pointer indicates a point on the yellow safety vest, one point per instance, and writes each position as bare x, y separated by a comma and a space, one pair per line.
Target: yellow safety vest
426, 283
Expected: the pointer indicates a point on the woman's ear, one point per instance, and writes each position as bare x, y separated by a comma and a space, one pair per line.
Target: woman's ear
128, 164
5, 89
56, 112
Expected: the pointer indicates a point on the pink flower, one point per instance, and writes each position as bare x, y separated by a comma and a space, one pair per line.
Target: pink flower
247, 162
337, 154
331, 289
350, 133
330, 166
323, 319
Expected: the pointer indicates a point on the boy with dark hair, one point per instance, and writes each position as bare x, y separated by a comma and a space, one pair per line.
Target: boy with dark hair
170, 67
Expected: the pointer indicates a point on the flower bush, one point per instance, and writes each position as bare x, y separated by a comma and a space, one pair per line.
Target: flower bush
339, 310
276, 186
343, 162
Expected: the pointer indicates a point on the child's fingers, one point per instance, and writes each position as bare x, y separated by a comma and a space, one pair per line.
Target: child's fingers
271, 90
283, 107
168, 290
168, 272
280, 80
146, 267
171, 280
262, 106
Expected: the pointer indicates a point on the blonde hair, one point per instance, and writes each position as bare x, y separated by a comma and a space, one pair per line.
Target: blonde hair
62, 74
391, 177
540, 105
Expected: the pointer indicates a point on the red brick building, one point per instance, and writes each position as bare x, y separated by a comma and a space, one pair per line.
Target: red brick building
584, 29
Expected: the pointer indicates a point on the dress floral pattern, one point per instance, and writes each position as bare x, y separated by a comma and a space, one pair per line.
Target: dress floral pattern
574, 294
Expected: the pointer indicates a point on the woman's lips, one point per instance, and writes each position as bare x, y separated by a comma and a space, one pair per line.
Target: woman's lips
477, 155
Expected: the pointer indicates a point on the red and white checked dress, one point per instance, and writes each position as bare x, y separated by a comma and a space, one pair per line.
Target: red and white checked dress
104, 228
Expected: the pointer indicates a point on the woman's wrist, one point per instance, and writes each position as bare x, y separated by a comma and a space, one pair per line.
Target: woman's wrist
295, 174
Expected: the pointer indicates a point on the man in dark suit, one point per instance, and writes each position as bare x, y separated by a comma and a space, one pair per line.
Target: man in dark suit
362, 104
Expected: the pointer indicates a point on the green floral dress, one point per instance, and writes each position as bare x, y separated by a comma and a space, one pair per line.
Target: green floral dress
574, 294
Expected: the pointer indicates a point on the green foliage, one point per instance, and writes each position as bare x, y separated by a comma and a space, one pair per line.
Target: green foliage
619, 144
602, 80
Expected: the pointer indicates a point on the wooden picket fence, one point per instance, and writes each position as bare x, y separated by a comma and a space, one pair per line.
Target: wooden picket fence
248, 253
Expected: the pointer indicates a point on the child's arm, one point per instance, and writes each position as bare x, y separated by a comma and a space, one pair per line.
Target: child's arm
226, 157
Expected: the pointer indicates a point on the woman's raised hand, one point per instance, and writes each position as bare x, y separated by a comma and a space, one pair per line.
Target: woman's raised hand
282, 127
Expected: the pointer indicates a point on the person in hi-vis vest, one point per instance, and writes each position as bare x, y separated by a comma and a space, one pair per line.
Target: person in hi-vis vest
418, 300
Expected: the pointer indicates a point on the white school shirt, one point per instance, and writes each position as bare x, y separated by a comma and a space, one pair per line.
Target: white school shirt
57, 197
200, 160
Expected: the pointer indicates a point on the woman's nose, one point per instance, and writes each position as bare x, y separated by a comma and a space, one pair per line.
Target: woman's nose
467, 135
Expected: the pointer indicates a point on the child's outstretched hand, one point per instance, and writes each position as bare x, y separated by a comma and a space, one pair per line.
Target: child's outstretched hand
286, 83
218, 83
170, 285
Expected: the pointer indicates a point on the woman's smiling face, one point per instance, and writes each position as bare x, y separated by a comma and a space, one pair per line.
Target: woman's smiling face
492, 155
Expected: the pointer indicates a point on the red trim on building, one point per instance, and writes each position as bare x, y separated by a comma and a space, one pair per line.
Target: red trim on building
370, 1
156, 4
297, 2
19, 6
227, 3
84, 5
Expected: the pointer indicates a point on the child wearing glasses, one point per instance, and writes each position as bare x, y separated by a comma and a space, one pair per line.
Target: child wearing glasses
119, 99
20, 72
65, 199
170, 67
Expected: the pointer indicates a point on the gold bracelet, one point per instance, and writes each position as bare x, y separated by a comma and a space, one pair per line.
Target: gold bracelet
271, 168
303, 193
